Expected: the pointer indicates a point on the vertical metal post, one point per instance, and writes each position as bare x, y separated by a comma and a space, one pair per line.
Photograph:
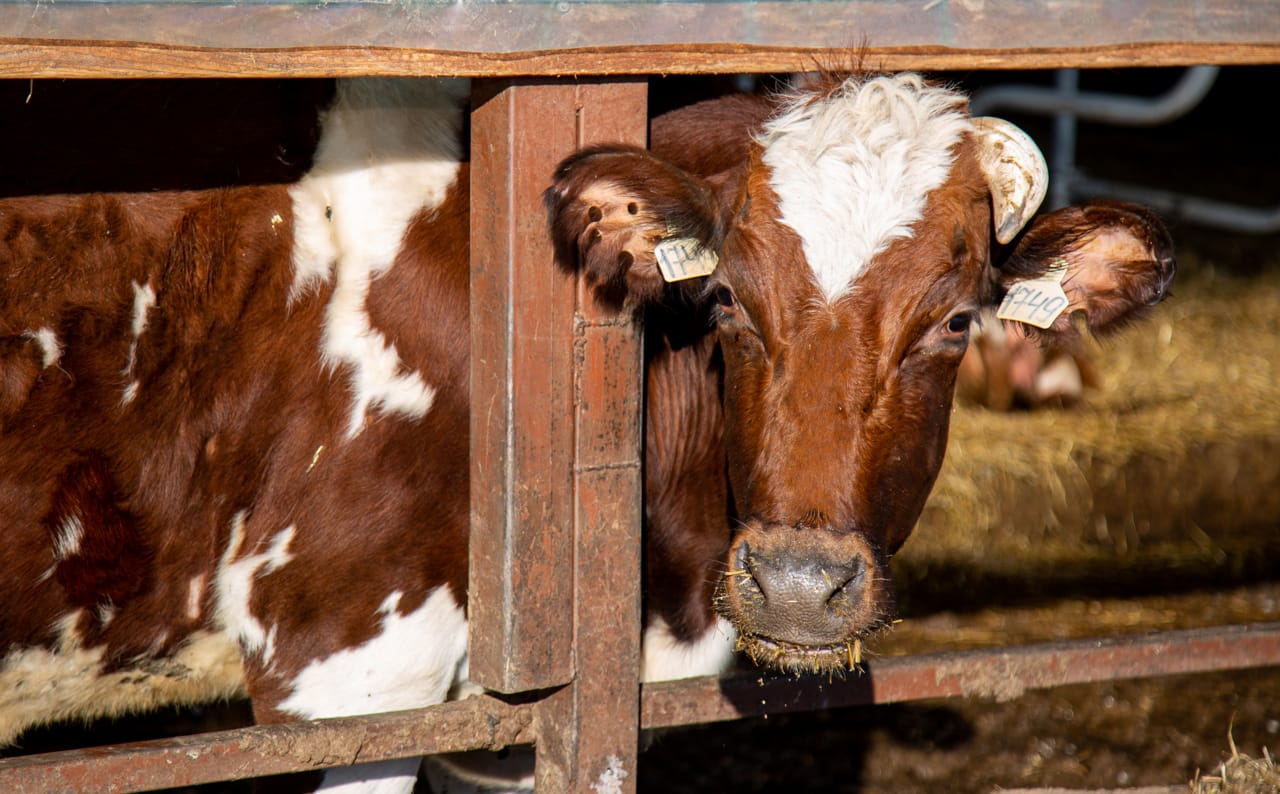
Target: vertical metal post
1064, 141
556, 424
520, 599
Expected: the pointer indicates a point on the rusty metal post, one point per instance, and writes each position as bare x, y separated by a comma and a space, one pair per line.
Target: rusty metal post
521, 586
588, 732
556, 423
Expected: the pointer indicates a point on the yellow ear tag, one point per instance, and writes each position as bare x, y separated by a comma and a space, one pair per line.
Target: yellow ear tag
1037, 301
680, 258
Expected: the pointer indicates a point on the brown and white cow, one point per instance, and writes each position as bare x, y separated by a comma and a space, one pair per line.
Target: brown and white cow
233, 422
859, 225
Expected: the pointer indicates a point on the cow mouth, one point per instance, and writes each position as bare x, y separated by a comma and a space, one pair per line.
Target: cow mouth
790, 657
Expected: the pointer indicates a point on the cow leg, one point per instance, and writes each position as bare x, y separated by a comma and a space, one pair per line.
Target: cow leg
507, 772
383, 777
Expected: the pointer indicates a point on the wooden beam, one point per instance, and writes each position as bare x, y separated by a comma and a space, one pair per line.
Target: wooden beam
553, 39
31, 59
556, 423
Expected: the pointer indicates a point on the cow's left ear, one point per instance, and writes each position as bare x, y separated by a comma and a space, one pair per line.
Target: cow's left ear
1109, 260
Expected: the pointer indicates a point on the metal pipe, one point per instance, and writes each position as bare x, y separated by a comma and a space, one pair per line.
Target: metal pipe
1064, 140
1067, 104
1219, 214
1117, 109
999, 673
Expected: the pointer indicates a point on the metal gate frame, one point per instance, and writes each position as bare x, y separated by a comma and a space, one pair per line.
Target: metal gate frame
555, 452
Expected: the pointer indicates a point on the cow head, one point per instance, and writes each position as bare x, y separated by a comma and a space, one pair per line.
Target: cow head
853, 243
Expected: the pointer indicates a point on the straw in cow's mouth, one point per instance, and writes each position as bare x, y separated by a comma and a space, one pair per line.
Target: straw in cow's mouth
792, 658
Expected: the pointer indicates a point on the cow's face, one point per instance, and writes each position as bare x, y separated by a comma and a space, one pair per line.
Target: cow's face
852, 248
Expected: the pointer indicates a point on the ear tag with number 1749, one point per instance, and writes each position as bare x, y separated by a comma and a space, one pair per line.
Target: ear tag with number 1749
1037, 301
680, 258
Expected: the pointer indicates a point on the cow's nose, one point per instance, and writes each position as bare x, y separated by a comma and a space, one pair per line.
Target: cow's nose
797, 596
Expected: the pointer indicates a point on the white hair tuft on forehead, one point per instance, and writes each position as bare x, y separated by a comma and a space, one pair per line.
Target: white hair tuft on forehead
853, 167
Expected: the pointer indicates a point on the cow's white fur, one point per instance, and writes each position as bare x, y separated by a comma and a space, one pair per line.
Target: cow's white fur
144, 298
384, 777
880, 146
382, 160
664, 658
389, 150
195, 596
411, 662
50, 347
67, 538
234, 586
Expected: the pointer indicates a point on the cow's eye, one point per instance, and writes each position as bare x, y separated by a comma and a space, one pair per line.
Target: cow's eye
958, 325
724, 297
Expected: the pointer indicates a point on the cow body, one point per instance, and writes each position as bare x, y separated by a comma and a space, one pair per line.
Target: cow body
233, 423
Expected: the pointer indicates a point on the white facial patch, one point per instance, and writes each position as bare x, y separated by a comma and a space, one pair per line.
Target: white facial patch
410, 663
664, 658
144, 297
389, 149
853, 169
234, 583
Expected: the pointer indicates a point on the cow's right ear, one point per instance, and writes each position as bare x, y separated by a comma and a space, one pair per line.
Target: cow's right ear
610, 207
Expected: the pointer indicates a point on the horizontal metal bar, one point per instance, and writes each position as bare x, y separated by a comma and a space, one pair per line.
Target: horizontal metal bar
1171, 204
1003, 674
272, 749
488, 722
1123, 110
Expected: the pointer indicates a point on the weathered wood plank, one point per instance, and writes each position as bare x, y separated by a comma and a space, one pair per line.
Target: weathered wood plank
271, 749
490, 722
72, 59
549, 38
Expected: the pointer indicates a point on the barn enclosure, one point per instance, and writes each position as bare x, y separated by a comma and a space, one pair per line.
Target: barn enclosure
1130, 537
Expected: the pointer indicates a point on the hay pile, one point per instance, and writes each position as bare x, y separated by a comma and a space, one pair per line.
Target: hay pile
1183, 432
1163, 481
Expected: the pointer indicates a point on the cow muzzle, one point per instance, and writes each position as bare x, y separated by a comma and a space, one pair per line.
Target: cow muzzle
803, 599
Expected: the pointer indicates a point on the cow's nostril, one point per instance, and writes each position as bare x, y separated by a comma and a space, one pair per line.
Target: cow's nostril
848, 592
744, 573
